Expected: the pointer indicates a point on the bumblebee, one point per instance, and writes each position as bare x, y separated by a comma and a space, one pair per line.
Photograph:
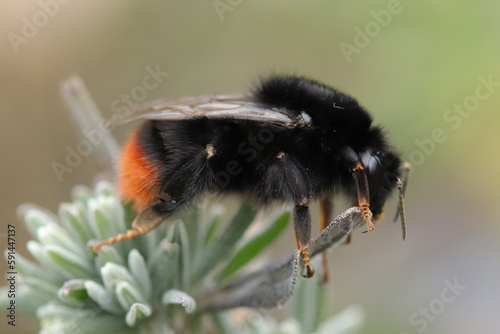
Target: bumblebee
289, 141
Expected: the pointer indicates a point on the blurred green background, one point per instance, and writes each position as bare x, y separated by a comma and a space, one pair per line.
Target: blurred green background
412, 62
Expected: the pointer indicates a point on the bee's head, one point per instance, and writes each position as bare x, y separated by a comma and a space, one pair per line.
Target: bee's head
383, 170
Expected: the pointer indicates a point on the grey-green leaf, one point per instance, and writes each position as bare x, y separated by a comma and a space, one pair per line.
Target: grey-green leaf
113, 273
73, 292
53, 234
81, 193
138, 267
178, 297
72, 219
104, 188
40, 285
163, 265
103, 297
213, 227
127, 295
69, 264
35, 218
38, 252
99, 222
108, 254
59, 318
181, 238
137, 312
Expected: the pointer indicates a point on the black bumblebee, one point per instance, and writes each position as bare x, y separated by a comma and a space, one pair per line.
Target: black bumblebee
291, 140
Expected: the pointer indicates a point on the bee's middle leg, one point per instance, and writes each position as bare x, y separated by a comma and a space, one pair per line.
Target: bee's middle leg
325, 216
302, 230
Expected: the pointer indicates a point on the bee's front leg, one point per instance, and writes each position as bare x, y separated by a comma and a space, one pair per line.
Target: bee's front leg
353, 163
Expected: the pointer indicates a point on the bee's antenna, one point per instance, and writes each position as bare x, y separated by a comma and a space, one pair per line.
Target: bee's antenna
401, 195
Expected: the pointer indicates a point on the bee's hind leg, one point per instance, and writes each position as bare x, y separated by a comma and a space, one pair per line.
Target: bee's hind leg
145, 221
190, 179
302, 230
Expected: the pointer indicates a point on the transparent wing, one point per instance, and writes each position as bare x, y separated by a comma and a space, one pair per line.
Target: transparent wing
236, 106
